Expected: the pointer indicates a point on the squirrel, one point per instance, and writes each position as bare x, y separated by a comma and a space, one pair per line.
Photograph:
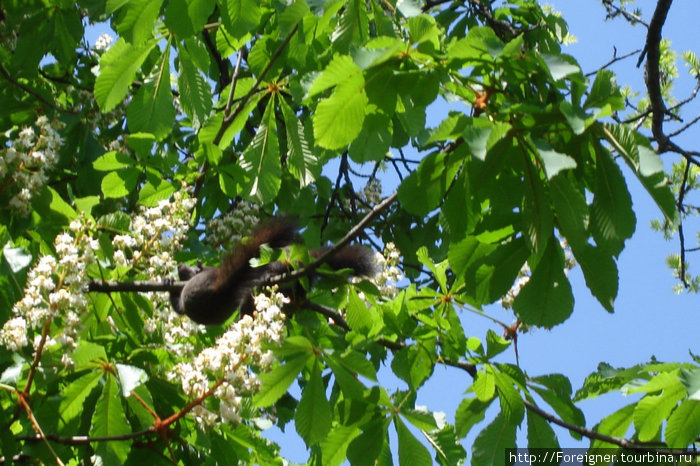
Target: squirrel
212, 294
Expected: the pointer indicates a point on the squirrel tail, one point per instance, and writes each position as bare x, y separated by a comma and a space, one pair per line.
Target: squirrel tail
356, 257
277, 232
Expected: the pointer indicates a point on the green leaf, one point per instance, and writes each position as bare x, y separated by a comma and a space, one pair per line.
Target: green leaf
559, 67
490, 445
683, 425
60, 206
276, 382
477, 135
372, 144
646, 165
359, 318
241, 16
177, 19
448, 449
261, 159
113, 160
195, 93
109, 420
365, 448
313, 414
414, 364
74, 395
358, 364
495, 344
612, 217
546, 299
571, 209
652, 410
536, 211
420, 418
615, 424
605, 91
151, 110
118, 68
303, 164
88, 355
512, 406
411, 451
691, 381
484, 385
561, 402
553, 161
423, 190
155, 191
348, 382
489, 270
575, 117
137, 23
120, 183
423, 29
469, 412
539, 433
340, 69
335, 446
600, 272
338, 119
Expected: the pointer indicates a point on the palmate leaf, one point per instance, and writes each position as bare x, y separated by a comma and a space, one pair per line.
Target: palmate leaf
303, 164
195, 93
612, 217
546, 300
313, 416
276, 382
422, 191
335, 446
241, 16
74, 395
652, 410
109, 420
152, 110
137, 23
683, 425
646, 165
411, 451
338, 119
118, 68
489, 446
261, 159
537, 213
540, 434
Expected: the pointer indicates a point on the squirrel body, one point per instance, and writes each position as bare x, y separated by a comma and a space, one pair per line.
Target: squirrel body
212, 294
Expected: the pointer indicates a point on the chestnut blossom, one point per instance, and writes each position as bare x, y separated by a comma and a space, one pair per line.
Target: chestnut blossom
26, 159
230, 359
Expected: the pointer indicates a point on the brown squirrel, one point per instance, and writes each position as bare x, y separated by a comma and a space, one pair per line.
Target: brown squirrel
212, 294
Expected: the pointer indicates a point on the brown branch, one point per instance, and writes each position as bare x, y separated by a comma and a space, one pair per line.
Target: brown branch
136, 286
591, 434
84, 439
681, 235
613, 60
331, 251
234, 80
37, 428
653, 75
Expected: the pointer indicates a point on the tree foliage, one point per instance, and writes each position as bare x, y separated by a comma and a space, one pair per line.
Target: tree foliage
203, 117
